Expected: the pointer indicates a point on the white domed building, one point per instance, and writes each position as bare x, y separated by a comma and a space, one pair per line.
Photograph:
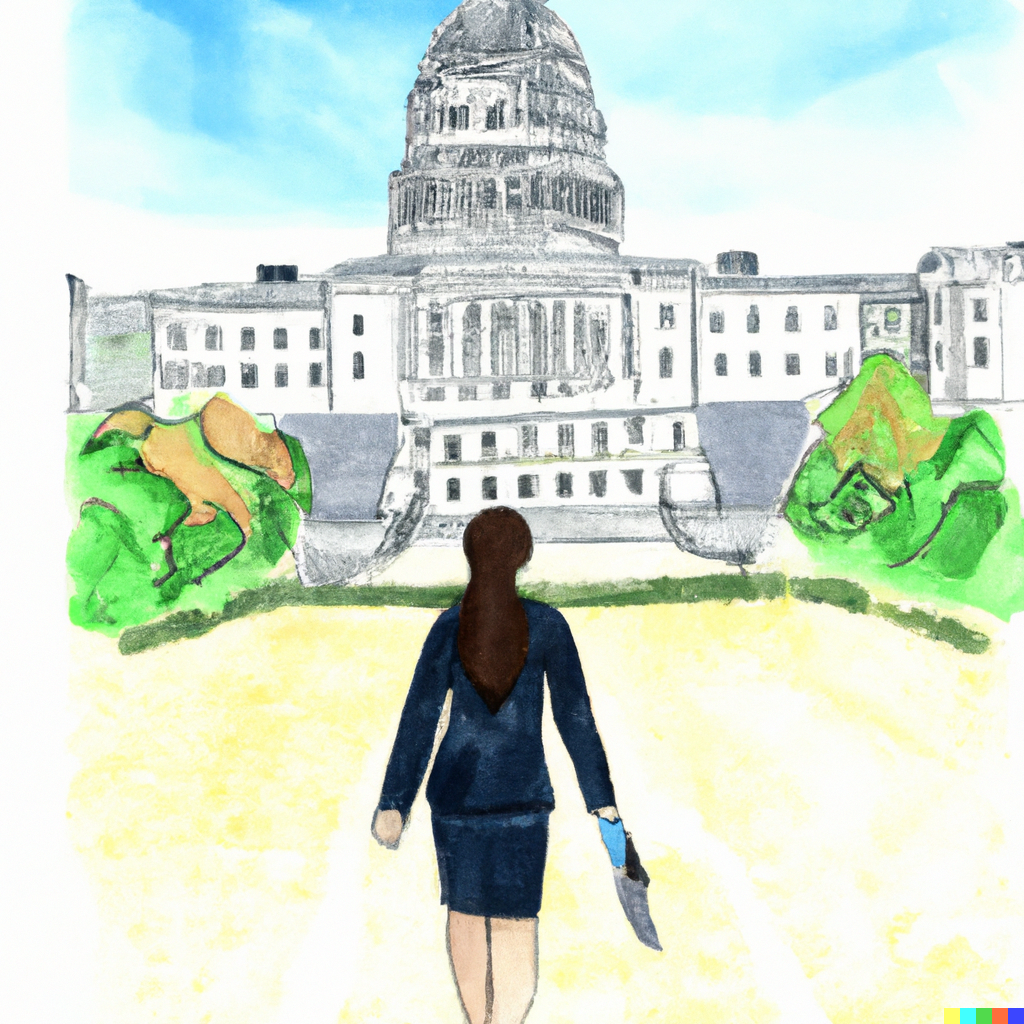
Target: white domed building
503, 351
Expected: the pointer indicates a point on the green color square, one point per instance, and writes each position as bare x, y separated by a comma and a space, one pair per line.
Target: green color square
983, 1016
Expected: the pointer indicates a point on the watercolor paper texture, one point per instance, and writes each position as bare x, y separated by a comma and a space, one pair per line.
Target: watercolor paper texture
729, 305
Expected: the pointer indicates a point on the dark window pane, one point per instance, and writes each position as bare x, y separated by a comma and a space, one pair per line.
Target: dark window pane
452, 447
463, 118
455, 489
492, 119
793, 365
566, 441
433, 395
599, 483
634, 480
281, 375
848, 363
937, 309
453, 118
358, 325
678, 437
668, 317
177, 338
489, 491
198, 376
792, 319
213, 339
980, 310
529, 486
248, 339
503, 390
599, 438
721, 365
981, 352
940, 362
314, 338
489, 195
716, 321
635, 430
665, 359
754, 320
174, 376
250, 375
513, 194
467, 394
280, 337
755, 364
529, 442
539, 389
489, 444
358, 366
831, 365
563, 483
831, 319
435, 345
316, 375
216, 377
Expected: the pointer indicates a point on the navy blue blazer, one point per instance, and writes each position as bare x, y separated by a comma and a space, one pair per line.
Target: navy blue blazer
494, 764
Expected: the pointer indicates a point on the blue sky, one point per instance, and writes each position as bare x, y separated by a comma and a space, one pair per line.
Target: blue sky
294, 108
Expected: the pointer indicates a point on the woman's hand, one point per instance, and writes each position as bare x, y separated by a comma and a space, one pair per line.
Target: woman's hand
387, 828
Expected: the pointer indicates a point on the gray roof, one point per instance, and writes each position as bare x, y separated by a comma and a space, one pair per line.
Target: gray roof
305, 294
883, 287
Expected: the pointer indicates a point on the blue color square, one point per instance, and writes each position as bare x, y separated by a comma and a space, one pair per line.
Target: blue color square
1015, 1016
968, 1016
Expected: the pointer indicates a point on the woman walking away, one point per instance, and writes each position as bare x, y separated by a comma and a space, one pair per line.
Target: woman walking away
489, 791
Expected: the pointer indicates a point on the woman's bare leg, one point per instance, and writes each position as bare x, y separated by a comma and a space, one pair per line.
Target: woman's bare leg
468, 951
513, 969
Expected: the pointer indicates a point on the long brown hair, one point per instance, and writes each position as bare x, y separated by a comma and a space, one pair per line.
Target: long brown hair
493, 632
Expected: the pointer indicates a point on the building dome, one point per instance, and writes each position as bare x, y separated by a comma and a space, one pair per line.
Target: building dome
479, 27
505, 146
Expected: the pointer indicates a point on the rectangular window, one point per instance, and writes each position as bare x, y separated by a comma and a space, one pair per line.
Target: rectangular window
668, 317
177, 337
489, 490
250, 375
937, 309
489, 445
981, 352
716, 321
599, 438
538, 389
635, 430
665, 360
248, 339
831, 319
315, 341
280, 337
358, 366
358, 324
529, 486
316, 375
848, 363
214, 340
563, 485
528, 442
513, 194
792, 319
721, 365
452, 447
566, 440
433, 395
754, 364
599, 483
754, 320
492, 119
435, 344
453, 118
489, 194
463, 124
831, 364
940, 363
174, 376
467, 393
216, 376
198, 376
281, 375
980, 311
792, 365
454, 489
678, 437
634, 480
501, 391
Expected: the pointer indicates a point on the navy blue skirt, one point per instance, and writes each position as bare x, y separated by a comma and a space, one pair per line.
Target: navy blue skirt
492, 865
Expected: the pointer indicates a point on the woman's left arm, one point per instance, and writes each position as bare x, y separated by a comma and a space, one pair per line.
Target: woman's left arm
570, 705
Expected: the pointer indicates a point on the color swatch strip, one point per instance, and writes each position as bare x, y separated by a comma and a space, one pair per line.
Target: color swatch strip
987, 1015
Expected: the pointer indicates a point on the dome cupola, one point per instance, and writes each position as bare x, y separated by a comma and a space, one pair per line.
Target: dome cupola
505, 147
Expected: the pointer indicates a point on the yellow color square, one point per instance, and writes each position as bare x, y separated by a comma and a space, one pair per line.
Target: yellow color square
951, 1016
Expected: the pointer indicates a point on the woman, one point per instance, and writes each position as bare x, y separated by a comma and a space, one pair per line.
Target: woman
489, 790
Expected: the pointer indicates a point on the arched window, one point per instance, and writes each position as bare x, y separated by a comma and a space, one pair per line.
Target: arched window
358, 366
665, 359
471, 341
831, 319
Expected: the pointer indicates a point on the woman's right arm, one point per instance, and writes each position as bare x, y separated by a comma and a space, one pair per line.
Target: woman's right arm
417, 727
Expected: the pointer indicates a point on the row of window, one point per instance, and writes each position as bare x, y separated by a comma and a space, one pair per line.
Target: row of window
529, 447
792, 322
980, 310
456, 118
528, 485
181, 375
792, 364
177, 337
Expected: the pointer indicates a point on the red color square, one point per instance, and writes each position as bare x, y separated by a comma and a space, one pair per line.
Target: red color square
1000, 1016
